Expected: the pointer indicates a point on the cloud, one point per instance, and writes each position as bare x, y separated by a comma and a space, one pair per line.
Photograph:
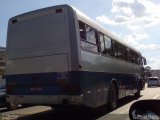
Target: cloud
133, 39
137, 18
134, 14
135, 7
105, 20
149, 47
136, 36
122, 19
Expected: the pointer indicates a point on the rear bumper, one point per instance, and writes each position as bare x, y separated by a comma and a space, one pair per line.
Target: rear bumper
46, 99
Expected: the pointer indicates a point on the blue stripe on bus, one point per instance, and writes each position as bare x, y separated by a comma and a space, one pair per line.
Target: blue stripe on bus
64, 83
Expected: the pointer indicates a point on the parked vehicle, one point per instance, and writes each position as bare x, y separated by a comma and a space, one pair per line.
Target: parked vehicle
153, 81
2, 95
3, 103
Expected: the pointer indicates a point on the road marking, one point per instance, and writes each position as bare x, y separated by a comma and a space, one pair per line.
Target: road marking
155, 97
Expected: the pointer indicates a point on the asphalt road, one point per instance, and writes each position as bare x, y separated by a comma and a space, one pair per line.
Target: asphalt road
47, 113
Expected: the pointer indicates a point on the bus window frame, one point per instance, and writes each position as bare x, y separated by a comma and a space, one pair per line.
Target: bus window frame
124, 53
88, 42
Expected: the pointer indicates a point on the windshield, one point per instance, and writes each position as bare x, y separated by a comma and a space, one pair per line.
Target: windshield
153, 79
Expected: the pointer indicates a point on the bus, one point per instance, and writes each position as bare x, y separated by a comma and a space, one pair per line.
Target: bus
58, 56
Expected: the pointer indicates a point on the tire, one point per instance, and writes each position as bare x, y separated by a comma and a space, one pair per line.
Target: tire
12, 106
112, 97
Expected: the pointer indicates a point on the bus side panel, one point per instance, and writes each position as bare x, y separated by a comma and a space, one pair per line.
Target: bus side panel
124, 73
94, 88
100, 63
74, 41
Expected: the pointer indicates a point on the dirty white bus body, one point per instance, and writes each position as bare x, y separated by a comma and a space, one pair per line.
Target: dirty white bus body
50, 61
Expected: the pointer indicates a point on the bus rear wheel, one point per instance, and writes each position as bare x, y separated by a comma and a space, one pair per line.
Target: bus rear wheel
113, 98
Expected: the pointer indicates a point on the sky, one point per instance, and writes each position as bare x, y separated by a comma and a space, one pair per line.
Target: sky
137, 22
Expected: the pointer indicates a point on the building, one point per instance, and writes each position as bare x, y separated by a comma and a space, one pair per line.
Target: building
155, 73
2, 60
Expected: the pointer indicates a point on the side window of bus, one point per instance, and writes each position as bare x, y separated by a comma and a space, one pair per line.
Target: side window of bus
118, 51
101, 38
115, 48
108, 45
82, 30
134, 57
139, 59
125, 53
129, 55
91, 34
88, 38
